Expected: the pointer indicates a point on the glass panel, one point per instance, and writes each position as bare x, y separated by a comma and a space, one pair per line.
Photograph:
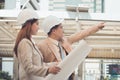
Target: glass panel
2, 3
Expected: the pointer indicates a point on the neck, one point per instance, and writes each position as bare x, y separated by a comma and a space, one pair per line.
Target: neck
53, 37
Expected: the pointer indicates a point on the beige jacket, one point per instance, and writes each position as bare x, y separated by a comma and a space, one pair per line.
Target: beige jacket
49, 51
30, 61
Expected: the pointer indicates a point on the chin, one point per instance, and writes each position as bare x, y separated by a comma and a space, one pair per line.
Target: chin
60, 39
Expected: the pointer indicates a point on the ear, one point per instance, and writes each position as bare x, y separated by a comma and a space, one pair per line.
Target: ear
54, 30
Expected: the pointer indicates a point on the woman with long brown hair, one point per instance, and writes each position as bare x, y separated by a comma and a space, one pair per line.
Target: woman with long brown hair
30, 59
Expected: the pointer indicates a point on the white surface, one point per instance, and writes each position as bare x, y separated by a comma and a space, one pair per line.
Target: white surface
71, 62
112, 6
66, 15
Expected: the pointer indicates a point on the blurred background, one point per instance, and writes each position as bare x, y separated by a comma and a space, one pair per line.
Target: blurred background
103, 63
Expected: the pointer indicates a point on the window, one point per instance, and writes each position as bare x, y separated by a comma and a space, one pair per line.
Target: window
2, 2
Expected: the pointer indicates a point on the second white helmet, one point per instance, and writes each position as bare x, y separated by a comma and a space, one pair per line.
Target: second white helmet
50, 22
25, 15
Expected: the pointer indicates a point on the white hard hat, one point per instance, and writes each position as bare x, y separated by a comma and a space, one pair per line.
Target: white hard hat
50, 22
25, 15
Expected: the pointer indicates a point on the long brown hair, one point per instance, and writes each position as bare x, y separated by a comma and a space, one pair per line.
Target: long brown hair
25, 32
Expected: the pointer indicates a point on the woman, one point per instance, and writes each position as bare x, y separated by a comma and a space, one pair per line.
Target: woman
30, 59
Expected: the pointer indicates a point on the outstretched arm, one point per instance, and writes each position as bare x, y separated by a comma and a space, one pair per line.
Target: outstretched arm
82, 34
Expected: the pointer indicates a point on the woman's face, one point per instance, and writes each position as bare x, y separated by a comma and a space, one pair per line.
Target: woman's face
35, 28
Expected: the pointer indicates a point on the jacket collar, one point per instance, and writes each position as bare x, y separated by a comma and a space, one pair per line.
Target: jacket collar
55, 42
52, 47
36, 48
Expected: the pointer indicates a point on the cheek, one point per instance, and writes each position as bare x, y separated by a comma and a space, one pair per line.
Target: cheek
37, 28
60, 33
34, 29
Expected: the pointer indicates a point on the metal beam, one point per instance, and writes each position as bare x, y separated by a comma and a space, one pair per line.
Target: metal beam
77, 8
7, 32
34, 4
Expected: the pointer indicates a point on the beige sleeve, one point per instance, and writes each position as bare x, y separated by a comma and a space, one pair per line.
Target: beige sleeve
82, 34
51, 64
25, 57
15, 68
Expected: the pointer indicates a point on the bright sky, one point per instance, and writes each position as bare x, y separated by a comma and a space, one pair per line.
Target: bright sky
112, 6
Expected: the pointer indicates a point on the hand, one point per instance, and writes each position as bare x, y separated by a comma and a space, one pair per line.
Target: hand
54, 70
101, 25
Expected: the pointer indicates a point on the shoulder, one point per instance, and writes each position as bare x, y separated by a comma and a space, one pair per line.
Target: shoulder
42, 44
25, 41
